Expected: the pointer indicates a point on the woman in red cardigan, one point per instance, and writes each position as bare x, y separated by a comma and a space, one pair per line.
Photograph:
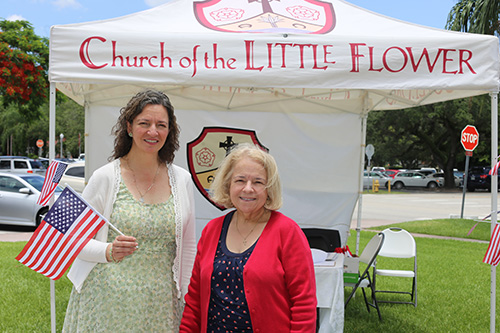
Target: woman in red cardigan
253, 270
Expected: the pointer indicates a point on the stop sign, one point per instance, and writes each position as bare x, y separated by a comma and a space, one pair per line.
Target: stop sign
39, 143
469, 137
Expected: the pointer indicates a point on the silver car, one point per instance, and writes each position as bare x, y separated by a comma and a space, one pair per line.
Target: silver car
18, 196
370, 176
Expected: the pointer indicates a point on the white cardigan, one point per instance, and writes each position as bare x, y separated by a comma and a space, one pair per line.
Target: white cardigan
101, 193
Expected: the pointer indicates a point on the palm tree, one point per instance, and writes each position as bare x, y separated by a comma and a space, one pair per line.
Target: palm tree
476, 16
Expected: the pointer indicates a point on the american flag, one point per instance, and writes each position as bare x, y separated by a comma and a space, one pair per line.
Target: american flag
52, 178
492, 255
494, 170
64, 231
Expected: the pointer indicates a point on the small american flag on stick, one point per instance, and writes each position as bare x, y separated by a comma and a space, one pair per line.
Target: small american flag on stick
64, 231
492, 255
494, 170
52, 177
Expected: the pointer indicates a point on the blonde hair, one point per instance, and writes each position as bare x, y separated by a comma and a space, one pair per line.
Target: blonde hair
219, 190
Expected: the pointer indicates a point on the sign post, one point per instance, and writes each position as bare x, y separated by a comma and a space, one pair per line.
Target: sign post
39, 144
469, 140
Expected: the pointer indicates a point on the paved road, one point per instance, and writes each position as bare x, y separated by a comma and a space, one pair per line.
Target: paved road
383, 209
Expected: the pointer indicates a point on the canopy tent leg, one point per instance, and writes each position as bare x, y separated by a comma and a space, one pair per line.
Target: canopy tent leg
362, 168
494, 198
52, 122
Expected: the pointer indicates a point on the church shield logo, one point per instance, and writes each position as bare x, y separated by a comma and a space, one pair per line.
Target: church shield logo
206, 152
274, 16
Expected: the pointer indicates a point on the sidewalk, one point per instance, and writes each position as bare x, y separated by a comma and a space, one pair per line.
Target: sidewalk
12, 236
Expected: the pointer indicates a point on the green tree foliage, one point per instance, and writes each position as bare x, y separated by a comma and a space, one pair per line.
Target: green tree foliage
24, 58
476, 16
429, 135
70, 120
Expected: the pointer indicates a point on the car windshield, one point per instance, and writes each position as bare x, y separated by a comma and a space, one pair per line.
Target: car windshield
36, 165
37, 182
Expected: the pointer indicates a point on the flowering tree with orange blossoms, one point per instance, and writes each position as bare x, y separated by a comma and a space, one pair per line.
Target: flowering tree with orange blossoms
24, 60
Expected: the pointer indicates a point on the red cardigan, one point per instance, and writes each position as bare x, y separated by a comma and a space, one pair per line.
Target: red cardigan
279, 280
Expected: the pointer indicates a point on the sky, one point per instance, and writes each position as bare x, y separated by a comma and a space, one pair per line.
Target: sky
43, 14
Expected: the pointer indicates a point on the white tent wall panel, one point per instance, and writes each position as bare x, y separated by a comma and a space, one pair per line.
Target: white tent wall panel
317, 156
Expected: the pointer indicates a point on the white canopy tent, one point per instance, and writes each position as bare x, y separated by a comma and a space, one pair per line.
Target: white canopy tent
305, 93
302, 74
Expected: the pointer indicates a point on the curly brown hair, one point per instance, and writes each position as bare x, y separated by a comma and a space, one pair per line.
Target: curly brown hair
123, 142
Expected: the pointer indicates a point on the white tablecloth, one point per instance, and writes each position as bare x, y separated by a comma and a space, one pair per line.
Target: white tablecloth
330, 294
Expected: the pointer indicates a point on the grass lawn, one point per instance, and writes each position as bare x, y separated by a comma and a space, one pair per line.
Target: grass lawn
458, 228
453, 287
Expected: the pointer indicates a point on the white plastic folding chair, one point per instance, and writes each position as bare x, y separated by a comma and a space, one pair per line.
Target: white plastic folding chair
368, 257
398, 243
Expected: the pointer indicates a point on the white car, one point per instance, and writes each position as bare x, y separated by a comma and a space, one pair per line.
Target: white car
18, 196
74, 176
415, 179
21, 164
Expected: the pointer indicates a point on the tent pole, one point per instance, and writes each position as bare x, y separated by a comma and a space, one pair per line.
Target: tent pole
52, 155
494, 198
362, 167
52, 121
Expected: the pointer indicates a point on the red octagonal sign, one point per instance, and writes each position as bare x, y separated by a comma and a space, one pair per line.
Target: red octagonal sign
469, 137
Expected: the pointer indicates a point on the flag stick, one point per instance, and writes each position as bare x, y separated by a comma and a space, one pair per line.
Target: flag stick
52, 306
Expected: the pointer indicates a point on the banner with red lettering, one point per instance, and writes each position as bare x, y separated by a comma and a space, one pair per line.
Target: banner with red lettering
308, 44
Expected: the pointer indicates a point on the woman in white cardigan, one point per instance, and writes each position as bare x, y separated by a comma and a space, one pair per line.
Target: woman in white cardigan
137, 281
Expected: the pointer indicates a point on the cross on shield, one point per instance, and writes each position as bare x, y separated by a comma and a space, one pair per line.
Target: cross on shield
206, 152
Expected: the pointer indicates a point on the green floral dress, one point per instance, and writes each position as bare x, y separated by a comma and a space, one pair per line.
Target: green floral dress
138, 294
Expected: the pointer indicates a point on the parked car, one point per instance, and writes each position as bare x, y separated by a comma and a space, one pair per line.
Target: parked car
440, 175
415, 179
21, 164
369, 177
379, 169
65, 159
74, 176
479, 178
45, 162
427, 171
18, 196
391, 172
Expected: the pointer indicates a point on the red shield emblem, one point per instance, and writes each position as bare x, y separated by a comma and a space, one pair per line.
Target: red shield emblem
275, 16
206, 152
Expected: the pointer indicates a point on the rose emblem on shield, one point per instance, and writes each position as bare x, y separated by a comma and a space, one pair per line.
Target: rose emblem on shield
226, 14
302, 12
205, 157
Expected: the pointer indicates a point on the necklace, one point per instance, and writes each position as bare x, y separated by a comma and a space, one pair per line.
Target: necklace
141, 199
245, 237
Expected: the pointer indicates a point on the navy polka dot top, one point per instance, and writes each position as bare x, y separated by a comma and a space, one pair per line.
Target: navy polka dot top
228, 309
